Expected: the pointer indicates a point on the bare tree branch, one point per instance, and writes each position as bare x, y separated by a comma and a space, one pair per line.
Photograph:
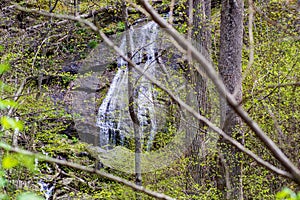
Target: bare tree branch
251, 40
213, 75
276, 123
17, 96
174, 97
40, 47
171, 17
274, 87
272, 22
84, 16
86, 169
296, 84
53, 7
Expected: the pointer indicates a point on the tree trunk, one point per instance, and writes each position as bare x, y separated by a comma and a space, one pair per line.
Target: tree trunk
230, 68
132, 112
201, 36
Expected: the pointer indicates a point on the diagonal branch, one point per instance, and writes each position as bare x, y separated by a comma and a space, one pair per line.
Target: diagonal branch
173, 96
213, 75
86, 169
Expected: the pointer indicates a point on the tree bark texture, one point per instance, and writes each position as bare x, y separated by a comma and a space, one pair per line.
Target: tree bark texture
201, 36
230, 68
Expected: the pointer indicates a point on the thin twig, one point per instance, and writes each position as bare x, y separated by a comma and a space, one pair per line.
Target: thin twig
251, 42
40, 47
273, 86
272, 22
86, 169
171, 17
17, 95
213, 75
174, 97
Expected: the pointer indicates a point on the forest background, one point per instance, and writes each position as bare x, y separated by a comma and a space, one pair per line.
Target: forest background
40, 56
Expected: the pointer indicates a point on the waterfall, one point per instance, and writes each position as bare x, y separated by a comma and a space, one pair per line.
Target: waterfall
113, 115
167, 130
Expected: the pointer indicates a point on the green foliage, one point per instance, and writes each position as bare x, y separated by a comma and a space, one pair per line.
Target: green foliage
4, 67
29, 196
92, 44
7, 104
7, 122
10, 123
121, 26
276, 62
164, 137
3, 181
287, 194
9, 162
269, 101
182, 28
12, 160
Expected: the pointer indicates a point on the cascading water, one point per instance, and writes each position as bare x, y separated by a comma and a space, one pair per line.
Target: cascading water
113, 116
166, 130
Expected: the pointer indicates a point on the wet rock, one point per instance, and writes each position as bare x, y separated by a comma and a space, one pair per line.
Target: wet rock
72, 68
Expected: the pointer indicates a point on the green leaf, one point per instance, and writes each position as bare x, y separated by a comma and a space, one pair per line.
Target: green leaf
27, 161
2, 173
286, 193
9, 161
1, 48
29, 196
3, 196
3, 182
7, 103
92, 44
4, 67
9, 123
298, 196
4, 87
